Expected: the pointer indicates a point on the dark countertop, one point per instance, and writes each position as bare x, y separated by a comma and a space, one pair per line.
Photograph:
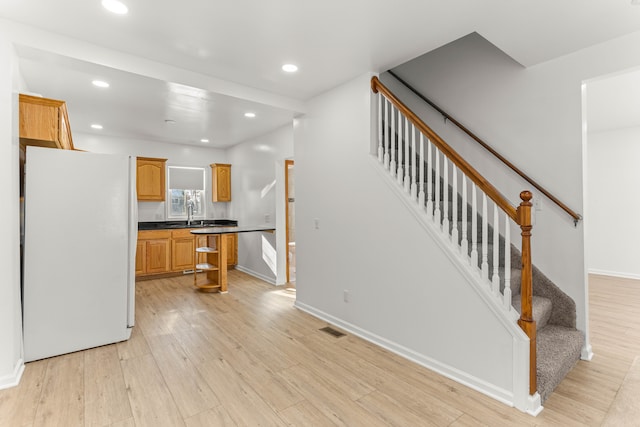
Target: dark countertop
207, 223
232, 230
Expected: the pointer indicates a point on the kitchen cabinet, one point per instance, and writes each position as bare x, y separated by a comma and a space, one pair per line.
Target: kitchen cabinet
221, 182
150, 179
173, 251
156, 252
182, 250
232, 249
44, 122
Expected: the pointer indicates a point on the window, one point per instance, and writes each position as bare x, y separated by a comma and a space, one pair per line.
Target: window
186, 192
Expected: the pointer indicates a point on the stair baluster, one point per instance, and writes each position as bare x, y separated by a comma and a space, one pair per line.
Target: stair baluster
485, 239
474, 226
394, 144
386, 135
429, 179
421, 163
414, 184
495, 278
400, 172
454, 197
380, 147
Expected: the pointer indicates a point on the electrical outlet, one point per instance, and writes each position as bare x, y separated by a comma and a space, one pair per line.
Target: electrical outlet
267, 218
346, 296
537, 203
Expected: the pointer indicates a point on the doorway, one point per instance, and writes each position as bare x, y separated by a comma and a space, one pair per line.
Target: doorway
290, 197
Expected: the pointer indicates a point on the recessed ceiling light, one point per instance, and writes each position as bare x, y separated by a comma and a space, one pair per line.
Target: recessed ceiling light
204, 140
290, 68
100, 83
115, 6
96, 126
250, 115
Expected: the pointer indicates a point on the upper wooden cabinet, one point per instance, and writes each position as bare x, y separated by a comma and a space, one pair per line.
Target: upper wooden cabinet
150, 179
44, 122
221, 182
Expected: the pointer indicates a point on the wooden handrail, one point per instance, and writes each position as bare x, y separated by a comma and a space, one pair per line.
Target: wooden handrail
576, 217
462, 164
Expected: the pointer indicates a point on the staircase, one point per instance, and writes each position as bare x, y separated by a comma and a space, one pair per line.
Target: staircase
468, 225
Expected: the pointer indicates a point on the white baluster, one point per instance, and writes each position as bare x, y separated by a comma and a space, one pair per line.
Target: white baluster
400, 173
454, 197
485, 239
429, 179
436, 213
474, 227
421, 163
407, 157
386, 133
507, 263
445, 195
464, 242
380, 148
392, 164
495, 278
414, 157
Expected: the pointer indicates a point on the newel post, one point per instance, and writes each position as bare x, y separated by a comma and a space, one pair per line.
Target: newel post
526, 321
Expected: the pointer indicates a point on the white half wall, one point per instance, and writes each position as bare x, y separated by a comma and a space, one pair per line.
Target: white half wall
11, 362
366, 264
613, 176
176, 155
532, 116
258, 197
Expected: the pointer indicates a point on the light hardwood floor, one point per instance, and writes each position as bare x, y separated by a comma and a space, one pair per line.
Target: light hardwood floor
250, 358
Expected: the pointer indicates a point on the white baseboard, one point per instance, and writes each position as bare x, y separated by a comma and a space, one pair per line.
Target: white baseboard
614, 274
501, 395
13, 379
260, 276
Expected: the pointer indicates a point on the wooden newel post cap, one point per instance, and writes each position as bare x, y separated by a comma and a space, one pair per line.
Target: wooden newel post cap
526, 196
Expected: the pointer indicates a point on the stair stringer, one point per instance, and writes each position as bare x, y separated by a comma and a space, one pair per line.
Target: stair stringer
505, 313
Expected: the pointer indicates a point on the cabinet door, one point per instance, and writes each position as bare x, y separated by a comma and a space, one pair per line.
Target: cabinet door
182, 253
141, 257
40, 121
232, 249
150, 179
158, 256
221, 182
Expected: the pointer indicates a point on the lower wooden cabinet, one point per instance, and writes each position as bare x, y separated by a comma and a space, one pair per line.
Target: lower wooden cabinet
173, 251
153, 252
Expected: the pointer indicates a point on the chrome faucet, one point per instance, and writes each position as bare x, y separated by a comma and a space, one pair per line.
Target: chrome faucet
190, 204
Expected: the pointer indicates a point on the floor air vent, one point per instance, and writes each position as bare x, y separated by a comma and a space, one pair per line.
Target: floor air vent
331, 331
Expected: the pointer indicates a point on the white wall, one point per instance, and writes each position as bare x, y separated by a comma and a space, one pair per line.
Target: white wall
533, 117
404, 292
11, 365
257, 181
613, 176
176, 155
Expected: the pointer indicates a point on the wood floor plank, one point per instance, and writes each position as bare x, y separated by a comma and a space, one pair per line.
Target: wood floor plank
217, 416
151, 402
190, 392
304, 413
62, 398
18, 404
243, 404
105, 393
250, 357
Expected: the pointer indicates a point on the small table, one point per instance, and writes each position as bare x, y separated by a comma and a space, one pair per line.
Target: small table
215, 265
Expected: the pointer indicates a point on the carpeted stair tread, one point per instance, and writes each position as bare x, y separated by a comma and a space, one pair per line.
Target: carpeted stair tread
558, 350
541, 309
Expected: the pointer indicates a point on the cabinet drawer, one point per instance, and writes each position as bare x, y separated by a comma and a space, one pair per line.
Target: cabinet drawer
181, 234
153, 234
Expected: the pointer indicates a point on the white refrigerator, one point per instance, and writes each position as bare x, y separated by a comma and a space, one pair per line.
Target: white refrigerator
80, 231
